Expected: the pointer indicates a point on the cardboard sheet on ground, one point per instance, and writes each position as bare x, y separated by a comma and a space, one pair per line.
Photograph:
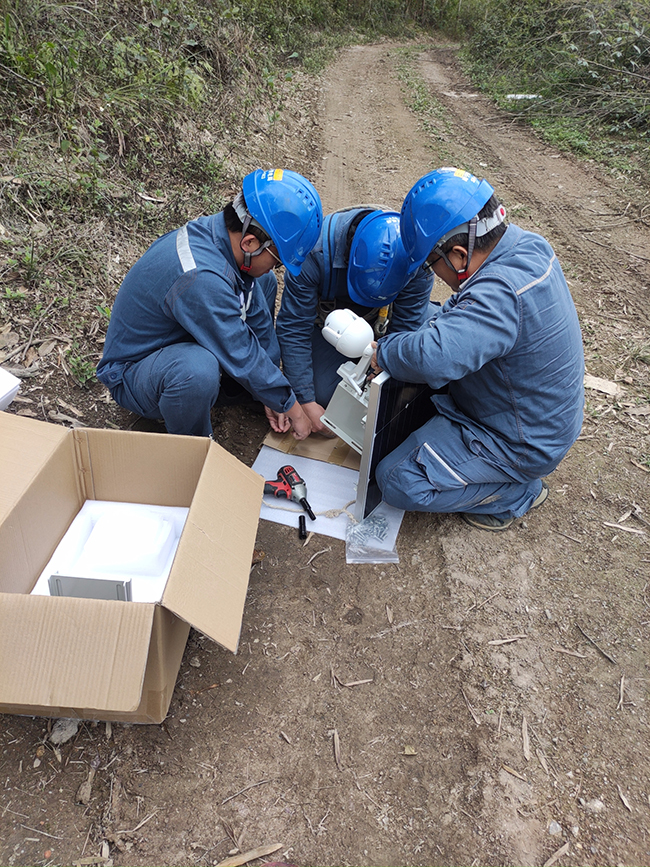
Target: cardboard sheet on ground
329, 487
334, 451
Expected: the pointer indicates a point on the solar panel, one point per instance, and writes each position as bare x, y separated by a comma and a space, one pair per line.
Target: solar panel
395, 410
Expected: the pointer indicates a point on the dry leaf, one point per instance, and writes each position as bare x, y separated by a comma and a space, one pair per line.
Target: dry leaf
514, 773
251, 855
46, 348
497, 641
337, 749
524, 738
603, 385
409, 751
542, 760
626, 803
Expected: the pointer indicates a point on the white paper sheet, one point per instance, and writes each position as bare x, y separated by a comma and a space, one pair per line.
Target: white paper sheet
329, 487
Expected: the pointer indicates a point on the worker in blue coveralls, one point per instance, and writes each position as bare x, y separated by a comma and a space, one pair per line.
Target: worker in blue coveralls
507, 345
196, 310
359, 263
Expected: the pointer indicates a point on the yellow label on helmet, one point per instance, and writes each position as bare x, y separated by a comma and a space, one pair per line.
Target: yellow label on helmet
277, 174
460, 173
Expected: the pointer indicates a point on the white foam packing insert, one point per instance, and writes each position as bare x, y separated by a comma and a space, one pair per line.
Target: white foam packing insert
119, 541
9, 387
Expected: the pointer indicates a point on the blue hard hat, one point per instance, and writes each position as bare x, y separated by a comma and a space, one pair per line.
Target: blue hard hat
377, 270
439, 202
288, 208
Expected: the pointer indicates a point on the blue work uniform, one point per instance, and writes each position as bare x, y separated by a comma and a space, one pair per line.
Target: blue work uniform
184, 315
308, 360
509, 348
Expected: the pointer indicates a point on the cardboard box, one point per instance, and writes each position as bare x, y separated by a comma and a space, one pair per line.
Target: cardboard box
114, 660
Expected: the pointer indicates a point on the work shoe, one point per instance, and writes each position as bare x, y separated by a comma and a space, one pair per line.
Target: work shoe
495, 524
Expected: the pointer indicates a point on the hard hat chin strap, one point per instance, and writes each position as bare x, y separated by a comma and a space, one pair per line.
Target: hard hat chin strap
464, 274
475, 228
247, 221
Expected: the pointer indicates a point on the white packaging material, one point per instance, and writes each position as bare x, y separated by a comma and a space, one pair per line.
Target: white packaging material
9, 385
330, 490
373, 540
122, 541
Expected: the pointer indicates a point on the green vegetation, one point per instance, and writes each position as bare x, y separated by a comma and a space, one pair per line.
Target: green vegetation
419, 98
583, 69
122, 119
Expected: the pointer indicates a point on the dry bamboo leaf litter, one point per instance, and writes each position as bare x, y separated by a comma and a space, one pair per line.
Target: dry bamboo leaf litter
570, 652
337, 749
625, 529
542, 760
251, 855
357, 682
524, 739
496, 642
625, 801
514, 773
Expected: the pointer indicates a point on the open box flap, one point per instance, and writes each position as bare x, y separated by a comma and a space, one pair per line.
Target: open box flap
209, 579
66, 652
26, 445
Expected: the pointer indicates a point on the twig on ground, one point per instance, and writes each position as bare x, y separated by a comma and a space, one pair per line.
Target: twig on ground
558, 854
241, 791
481, 604
470, 708
599, 649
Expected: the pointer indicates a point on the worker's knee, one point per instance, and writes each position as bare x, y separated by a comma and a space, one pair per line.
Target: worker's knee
194, 374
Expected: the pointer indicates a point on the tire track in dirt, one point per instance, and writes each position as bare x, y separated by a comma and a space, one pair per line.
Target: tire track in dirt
494, 588
596, 230
373, 148
374, 151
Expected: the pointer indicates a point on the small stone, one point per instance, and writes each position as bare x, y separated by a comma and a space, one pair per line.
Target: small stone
63, 730
595, 806
575, 830
554, 828
195, 662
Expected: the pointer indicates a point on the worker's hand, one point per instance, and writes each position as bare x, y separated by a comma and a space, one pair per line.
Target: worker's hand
373, 360
314, 411
278, 420
300, 422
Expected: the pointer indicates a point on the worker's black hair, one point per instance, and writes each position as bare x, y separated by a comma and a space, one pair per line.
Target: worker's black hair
485, 242
234, 224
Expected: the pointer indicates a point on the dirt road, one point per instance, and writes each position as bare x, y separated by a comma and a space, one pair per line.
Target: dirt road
501, 709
